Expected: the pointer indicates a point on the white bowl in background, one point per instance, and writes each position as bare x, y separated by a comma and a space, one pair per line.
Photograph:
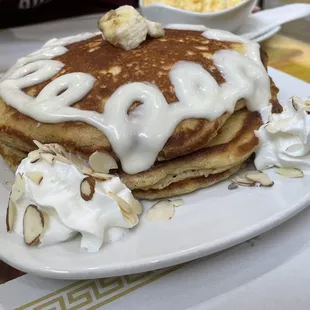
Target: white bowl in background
229, 19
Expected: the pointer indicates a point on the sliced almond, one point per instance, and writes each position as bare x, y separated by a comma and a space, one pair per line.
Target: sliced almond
136, 206
246, 184
242, 180
97, 176
49, 158
10, 215
259, 177
87, 170
271, 129
34, 156
132, 218
63, 159
232, 186
52, 148
102, 162
123, 204
18, 187
177, 202
35, 160
87, 188
102, 176
41, 146
297, 102
35, 176
58, 149
129, 212
290, 172
161, 211
33, 224
77, 161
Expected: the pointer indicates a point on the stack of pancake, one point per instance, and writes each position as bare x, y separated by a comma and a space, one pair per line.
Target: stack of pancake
199, 153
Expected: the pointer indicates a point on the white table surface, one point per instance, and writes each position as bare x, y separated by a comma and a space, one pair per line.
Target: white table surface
271, 272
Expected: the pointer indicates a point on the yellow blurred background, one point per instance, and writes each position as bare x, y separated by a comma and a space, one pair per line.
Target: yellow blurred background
290, 50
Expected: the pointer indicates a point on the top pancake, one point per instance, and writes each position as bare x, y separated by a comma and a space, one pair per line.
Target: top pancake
113, 67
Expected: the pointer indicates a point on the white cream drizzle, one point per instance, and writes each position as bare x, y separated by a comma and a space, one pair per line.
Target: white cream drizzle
51, 49
137, 138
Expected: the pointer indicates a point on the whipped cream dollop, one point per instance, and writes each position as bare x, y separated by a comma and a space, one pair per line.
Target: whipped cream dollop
99, 220
285, 140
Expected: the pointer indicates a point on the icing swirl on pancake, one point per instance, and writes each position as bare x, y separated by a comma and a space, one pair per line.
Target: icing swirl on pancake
138, 137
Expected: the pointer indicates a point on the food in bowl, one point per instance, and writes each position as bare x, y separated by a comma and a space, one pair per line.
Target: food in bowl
229, 19
197, 5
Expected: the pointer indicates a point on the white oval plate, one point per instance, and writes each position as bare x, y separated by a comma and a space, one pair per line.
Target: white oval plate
211, 220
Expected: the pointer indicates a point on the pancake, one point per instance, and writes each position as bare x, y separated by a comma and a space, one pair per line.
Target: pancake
234, 144
186, 186
12, 156
112, 68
